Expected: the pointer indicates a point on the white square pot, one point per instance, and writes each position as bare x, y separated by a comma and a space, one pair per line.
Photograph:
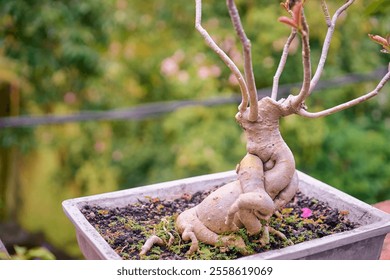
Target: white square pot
364, 242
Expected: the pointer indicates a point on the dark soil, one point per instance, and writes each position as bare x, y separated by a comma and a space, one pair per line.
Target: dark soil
127, 228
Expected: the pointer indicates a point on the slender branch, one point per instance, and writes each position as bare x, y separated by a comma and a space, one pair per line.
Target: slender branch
282, 64
348, 104
326, 45
324, 7
248, 68
225, 58
305, 57
305, 90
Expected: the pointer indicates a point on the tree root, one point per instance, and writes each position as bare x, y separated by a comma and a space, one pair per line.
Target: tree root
280, 235
264, 239
150, 242
155, 240
171, 237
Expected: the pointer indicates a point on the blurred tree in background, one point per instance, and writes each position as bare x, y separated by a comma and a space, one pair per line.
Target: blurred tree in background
61, 57
54, 49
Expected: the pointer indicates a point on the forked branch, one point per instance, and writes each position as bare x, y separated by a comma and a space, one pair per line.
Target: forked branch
248, 68
305, 90
225, 58
282, 64
247, 84
324, 7
328, 38
348, 104
298, 22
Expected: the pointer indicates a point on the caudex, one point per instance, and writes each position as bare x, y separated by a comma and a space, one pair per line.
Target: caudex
267, 178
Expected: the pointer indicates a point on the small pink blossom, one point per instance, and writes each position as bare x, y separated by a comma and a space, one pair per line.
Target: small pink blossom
306, 213
233, 80
100, 146
169, 66
212, 71
70, 98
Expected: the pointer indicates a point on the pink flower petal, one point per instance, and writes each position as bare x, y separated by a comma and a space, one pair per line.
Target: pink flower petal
306, 213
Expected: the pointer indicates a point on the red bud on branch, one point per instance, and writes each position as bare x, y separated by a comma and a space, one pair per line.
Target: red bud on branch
288, 21
296, 21
285, 5
297, 13
385, 43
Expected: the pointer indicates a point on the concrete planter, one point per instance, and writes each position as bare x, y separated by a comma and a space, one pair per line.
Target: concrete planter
364, 242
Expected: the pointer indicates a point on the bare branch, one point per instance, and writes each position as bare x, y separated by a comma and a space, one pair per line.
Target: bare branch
305, 90
282, 63
326, 45
348, 104
324, 7
248, 68
225, 58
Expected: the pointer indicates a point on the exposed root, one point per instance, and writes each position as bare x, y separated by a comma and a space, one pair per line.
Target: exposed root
280, 235
234, 241
171, 237
155, 240
124, 247
264, 240
190, 235
150, 242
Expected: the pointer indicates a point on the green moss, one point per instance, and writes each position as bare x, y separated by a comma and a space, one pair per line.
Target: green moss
127, 235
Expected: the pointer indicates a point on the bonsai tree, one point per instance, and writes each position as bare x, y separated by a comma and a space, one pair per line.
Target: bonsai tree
267, 177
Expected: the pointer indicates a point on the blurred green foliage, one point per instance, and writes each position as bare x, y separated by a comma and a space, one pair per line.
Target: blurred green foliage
62, 56
22, 253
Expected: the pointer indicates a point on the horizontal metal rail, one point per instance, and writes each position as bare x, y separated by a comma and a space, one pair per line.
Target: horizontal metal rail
158, 108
